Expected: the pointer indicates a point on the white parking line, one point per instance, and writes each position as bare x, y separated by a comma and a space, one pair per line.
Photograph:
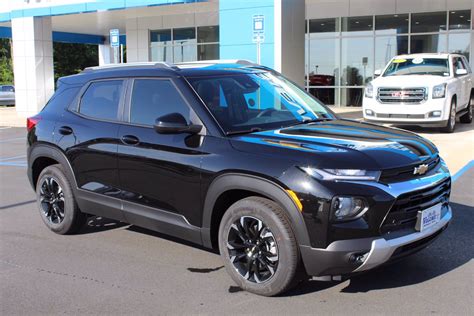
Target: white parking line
11, 158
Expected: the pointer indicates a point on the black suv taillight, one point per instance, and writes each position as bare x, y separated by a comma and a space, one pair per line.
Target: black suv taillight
31, 122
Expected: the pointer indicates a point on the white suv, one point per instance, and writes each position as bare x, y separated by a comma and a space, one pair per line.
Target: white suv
428, 90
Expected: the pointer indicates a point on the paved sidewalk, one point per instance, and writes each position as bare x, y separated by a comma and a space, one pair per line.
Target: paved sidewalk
9, 117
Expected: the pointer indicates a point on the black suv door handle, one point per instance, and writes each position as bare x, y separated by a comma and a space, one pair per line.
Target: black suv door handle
130, 140
65, 130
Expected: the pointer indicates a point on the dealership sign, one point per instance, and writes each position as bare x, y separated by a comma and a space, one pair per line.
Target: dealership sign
258, 22
114, 38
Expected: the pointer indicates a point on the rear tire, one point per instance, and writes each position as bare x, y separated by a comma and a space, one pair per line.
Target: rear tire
467, 117
56, 202
258, 246
451, 124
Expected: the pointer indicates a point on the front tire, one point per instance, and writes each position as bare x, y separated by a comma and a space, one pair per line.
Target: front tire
258, 246
451, 124
56, 202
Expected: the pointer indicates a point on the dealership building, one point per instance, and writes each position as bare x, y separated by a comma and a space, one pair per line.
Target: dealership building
331, 47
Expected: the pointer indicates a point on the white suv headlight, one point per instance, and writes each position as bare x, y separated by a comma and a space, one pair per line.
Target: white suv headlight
369, 91
439, 91
342, 174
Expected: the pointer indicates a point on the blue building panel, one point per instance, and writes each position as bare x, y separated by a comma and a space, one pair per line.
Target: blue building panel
5, 32
65, 37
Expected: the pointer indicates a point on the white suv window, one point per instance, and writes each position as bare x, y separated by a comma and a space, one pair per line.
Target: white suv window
458, 63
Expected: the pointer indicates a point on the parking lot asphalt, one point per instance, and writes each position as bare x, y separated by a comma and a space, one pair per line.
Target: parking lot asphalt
113, 268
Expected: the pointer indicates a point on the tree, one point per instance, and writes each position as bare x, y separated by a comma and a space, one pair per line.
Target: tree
6, 68
70, 59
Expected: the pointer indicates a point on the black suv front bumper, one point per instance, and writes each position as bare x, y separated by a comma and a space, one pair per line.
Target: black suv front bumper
358, 254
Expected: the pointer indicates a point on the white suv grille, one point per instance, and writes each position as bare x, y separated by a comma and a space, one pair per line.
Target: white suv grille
402, 95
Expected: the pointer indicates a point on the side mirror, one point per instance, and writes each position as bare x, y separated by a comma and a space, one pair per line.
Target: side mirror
461, 72
377, 72
175, 123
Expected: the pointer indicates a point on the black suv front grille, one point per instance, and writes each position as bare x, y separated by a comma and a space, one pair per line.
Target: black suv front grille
407, 173
403, 213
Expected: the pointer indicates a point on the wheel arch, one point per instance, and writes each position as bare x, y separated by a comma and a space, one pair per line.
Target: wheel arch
43, 155
241, 186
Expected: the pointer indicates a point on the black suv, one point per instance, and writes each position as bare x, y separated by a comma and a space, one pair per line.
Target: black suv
236, 157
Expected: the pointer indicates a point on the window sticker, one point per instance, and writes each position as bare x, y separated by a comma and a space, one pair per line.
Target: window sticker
417, 60
399, 61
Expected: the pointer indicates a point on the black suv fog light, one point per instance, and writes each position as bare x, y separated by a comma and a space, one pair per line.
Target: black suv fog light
359, 257
346, 207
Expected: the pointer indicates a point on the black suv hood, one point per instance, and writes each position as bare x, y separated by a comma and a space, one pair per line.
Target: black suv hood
340, 144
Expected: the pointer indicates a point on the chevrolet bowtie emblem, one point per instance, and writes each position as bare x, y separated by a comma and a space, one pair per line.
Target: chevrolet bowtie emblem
421, 169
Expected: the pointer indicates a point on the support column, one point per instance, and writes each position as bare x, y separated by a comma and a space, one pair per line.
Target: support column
283, 47
105, 54
138, 41
32, 63
289, 39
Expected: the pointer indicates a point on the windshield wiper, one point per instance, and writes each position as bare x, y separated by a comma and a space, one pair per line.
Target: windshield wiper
245, 131
321, 119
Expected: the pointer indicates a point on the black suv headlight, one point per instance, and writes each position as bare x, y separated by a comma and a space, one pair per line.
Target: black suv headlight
348, 207
342, 174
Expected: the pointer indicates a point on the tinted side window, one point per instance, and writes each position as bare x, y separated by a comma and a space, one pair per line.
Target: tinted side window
101, 99
152, 98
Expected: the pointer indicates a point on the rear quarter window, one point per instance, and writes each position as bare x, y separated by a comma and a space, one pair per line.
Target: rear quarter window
101, 99
61, 99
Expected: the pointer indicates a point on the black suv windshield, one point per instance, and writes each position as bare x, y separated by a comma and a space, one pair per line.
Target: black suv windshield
257, 101
418, 66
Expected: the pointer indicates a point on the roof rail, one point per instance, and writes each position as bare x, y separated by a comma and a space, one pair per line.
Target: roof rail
243, 62
162, 65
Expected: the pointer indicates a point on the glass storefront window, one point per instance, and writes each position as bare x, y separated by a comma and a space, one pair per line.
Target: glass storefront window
351, 96
324, 26
185, 34
184, 53
342, 53
161, 52
460, 20
208, 52
325, 95
208, 34
181, 45
357, 25
387, 47
459, 43
393, 23
428, 22
161, 36
434, 43
357, 61
323, 61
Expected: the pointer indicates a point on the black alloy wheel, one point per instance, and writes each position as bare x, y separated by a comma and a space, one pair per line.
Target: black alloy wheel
56, 202
52, 200
259, 248
253, 249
